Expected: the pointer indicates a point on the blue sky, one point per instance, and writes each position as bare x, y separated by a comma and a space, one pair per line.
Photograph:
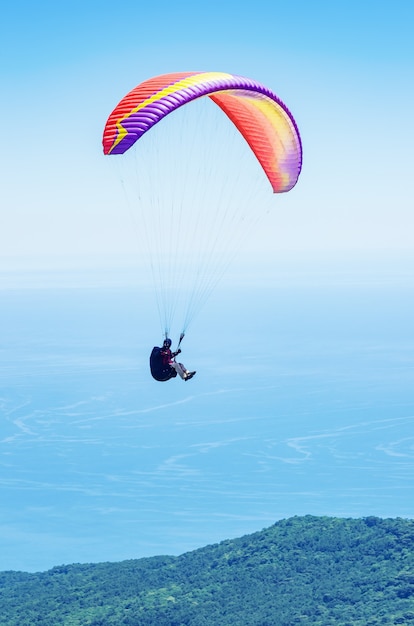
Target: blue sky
344, 69
85, 474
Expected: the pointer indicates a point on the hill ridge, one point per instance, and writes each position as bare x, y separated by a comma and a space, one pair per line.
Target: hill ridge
305, 569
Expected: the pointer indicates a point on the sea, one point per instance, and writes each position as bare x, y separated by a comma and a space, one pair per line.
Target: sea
303, 403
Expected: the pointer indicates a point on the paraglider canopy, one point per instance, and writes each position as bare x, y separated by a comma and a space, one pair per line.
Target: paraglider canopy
261, 117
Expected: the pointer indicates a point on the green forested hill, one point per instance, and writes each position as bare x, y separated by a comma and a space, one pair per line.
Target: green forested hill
303, 570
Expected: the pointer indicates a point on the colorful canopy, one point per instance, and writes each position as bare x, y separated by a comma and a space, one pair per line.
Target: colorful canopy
260, 116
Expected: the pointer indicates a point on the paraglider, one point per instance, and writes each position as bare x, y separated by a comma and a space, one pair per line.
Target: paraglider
179, 221
163, 365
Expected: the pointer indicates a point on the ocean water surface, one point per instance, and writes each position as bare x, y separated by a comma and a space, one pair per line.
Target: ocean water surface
303, 403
